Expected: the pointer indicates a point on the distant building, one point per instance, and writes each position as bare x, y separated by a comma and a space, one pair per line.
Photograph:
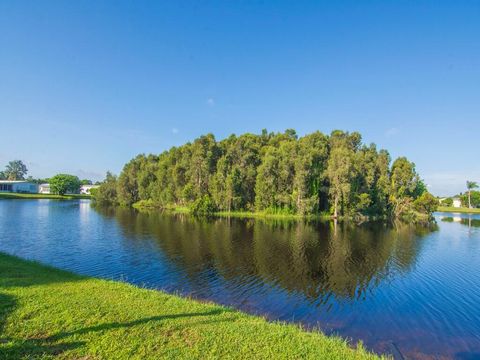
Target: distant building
18, 186
85, 189
457, 203
44, 189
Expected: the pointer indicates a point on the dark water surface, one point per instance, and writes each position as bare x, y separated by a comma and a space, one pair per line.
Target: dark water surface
415, 287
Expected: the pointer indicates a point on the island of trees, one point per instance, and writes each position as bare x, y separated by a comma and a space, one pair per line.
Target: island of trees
274, 173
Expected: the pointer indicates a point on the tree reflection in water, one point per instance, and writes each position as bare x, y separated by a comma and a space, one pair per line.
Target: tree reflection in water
319, 260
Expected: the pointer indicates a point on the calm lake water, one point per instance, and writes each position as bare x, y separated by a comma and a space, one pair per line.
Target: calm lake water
416, 289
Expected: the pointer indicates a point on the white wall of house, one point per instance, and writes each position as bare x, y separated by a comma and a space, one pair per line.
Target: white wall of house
457, 203
85, 189
44, 188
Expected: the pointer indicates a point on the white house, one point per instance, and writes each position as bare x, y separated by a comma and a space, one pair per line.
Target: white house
44, 189
85, 189
18, 186
457, 203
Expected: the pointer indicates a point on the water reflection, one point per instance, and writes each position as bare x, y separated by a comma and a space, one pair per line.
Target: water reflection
467, 221
416, 287
311, 258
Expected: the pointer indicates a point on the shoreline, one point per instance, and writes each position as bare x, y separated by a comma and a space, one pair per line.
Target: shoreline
50, 312
21, 196
147, 206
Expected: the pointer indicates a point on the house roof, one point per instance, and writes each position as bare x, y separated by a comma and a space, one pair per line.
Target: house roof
14, 181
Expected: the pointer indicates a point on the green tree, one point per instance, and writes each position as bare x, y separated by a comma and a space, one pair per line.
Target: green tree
309, 187
471, 185
62, 183
341, 169
15, 170
203, 206
136, 182
266, 186
106, 193
426, 203
37, 181
475, 198
205, 154
406, 186
3, 176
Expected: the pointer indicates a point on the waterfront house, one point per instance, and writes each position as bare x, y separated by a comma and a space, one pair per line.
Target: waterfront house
457, 203
44, 189
18, 186
85, 189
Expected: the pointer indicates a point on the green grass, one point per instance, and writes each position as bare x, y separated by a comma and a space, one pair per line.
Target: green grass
458, 210
48, 313
43, 196
148, 205
267, 215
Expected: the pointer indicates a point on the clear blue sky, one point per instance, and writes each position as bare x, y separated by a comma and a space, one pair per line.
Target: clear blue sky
87, 85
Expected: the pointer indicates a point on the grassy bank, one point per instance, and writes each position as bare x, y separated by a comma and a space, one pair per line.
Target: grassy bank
43, 196
458, 210
48, 313
150, 206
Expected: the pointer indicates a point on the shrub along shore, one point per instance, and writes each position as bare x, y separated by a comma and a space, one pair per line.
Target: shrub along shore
49, 313
150, 206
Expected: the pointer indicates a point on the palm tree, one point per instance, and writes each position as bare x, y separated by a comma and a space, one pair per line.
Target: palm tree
470, 186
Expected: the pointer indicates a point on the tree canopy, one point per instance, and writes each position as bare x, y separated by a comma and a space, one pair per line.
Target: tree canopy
274, 173
63, 183
15, 170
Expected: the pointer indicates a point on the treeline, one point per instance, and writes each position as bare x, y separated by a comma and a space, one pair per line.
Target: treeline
274, 173
16, 170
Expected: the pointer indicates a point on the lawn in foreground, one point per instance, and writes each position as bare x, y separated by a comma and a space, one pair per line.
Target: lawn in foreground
48, 313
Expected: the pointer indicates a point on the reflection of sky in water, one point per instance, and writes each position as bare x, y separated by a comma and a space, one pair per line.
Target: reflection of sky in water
412, 286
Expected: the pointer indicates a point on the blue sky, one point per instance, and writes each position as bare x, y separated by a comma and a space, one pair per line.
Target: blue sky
87, 85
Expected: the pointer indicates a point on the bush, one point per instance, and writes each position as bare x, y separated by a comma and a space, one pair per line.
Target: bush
203, 206
426, 203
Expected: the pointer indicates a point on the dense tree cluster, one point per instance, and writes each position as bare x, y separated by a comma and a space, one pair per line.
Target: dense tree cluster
274, 173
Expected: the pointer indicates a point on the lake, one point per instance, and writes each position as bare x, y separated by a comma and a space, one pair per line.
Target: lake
411, 288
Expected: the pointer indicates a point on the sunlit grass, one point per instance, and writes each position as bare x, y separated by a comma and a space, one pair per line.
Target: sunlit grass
458, 210
47, 313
